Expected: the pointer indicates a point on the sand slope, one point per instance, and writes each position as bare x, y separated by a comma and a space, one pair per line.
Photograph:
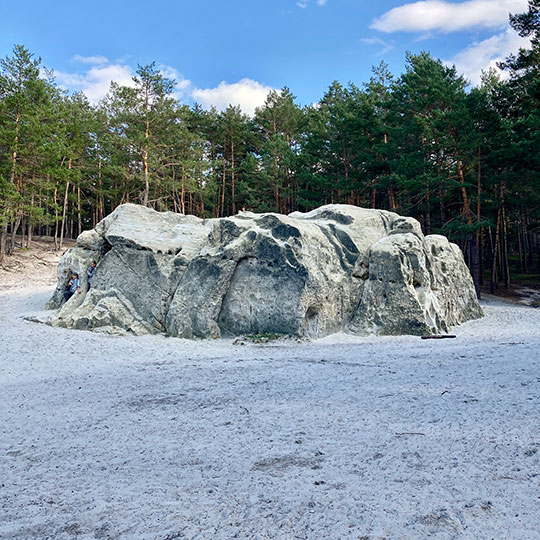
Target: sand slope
340, 438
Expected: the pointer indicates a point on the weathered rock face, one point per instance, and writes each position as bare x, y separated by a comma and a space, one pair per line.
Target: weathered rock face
338, 267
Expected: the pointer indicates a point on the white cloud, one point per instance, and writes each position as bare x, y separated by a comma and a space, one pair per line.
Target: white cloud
444, 16
183, 86
96, 81
385, 47
302, 4
247, 93
321, 2
96, 59
485, 54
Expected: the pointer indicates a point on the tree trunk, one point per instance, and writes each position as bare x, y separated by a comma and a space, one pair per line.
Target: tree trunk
15, 146
526, 245
23, 231
521, 251
493, 278
79, 209
183, 194
466, 203
3, 241
276, 177
223, 189
504, 239
232, 178
71, 220
504, 246
145, 150
391, 198
29, 233
14, 229
55, 219
146, 179
64, 211
100, 187
29, 226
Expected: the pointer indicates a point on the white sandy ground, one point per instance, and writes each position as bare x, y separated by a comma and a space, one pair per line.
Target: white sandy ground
340, 438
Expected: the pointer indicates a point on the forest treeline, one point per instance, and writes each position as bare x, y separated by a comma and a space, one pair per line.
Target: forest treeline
466, 164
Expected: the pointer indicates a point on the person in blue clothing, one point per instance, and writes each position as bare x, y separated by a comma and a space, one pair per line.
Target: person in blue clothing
90, 273
73, 286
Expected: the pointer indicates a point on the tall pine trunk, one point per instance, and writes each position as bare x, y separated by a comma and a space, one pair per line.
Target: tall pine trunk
223, 188
79, 209
64, 210
100, 187
145, 149
233, 194
56, 247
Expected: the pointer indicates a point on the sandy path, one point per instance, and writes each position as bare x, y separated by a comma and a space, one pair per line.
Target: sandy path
340, 438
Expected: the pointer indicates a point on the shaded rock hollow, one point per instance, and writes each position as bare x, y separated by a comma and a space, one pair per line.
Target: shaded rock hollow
336, 268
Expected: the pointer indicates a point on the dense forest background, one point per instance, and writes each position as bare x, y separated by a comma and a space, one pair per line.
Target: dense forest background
466, 164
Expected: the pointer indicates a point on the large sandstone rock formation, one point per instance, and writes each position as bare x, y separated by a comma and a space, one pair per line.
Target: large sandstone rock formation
336, 268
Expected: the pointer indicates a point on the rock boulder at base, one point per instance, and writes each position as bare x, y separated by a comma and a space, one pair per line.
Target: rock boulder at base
337, 268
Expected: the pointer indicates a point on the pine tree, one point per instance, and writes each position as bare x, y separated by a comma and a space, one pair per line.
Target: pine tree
279, 123
140, 116
23, 94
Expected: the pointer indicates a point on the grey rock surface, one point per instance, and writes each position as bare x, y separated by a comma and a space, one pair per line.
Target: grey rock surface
336, 268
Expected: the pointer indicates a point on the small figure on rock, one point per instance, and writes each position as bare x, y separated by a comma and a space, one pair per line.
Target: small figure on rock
73, 286
90, 273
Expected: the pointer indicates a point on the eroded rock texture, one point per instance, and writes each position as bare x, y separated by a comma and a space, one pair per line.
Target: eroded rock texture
336, 268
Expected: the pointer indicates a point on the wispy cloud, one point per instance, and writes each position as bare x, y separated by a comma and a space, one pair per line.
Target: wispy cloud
303, 4
485, 54
247, 93
443, 16
97, 59
384, 47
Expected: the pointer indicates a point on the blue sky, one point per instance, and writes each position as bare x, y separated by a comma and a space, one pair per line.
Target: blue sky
221, 51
